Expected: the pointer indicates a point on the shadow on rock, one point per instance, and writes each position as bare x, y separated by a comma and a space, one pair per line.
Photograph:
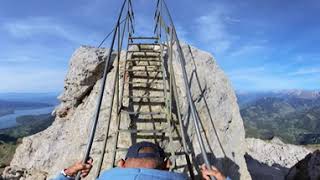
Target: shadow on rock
261, 171
225, 165
306, 169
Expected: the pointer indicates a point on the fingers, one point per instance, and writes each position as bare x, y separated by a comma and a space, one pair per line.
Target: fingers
84, 168
85, 172
204, 173
211, 172
79, 166
90, 160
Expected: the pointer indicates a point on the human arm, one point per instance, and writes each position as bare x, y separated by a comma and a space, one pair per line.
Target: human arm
70, 172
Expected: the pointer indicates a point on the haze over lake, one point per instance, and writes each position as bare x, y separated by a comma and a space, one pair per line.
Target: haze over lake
8, 121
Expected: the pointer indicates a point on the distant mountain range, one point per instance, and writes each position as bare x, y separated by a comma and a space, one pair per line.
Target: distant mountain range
246, 98
293, 115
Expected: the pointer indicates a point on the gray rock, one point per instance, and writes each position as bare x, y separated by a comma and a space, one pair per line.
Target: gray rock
64, 141
272, 160
86, 67
222, 125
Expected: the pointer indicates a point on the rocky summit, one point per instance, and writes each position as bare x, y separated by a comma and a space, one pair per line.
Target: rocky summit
43, 155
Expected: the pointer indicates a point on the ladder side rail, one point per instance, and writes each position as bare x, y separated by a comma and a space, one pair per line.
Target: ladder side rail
188, 91
119, 105
100, 161
170, 47
167, 106
174, 93
101, 93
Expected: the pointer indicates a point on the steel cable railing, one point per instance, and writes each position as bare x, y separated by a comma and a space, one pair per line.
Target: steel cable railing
172, 38
116, 31
173, 35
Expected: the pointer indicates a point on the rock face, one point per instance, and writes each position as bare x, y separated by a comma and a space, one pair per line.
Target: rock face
306, 169
43, 155
86, 67
272, 160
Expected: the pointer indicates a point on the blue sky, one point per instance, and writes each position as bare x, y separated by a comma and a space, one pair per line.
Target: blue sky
261, 45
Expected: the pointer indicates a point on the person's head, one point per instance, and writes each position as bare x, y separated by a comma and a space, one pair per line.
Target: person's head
145, 155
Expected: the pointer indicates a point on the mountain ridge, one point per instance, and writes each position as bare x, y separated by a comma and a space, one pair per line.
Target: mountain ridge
290, 117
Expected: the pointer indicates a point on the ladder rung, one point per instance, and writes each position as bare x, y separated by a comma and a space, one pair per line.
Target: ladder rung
147, 60
153, 131
144, 44
162, 137
148, 70
143, 37
144, 83
156, 65
145, 55
144, 51
144, 113
153, 120
135, 57
147, 77
148, 89
148, 103
146, 97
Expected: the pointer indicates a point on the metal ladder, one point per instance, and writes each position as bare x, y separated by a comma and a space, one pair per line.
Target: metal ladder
145, 101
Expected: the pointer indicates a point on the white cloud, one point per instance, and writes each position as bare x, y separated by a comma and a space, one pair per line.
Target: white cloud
18, 59
212, 28
262, 78
259, 79
249, 49
246, 71
35, 26
306, 71
232, 20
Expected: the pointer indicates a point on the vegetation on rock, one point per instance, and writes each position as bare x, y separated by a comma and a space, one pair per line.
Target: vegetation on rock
294, 120
10, 138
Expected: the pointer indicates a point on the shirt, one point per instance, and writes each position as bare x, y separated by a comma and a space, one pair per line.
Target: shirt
135, 174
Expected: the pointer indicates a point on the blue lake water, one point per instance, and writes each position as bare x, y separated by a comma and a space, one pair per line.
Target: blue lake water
10, 120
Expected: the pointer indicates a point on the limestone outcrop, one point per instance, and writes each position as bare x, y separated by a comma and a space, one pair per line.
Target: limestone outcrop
272, 159
43, 155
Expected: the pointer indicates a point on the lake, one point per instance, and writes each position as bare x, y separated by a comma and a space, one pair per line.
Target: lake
8, 121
